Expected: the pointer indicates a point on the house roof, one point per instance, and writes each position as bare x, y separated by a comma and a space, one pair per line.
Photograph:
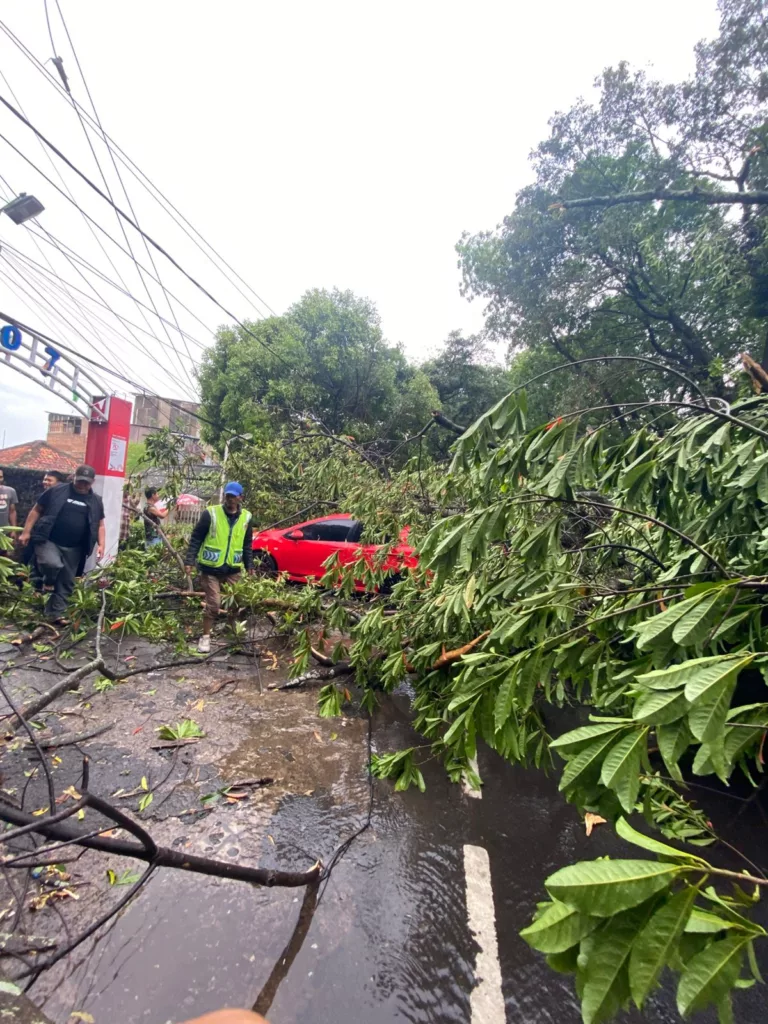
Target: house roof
37, 455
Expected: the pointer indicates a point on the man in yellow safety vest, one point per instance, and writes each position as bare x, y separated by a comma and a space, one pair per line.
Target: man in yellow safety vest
220, 547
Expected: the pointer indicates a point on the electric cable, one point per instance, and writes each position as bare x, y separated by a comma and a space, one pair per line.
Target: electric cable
89, 220
69, 285
84, 314
125, 192
17, 113
146, 182
40, 301
45, 257
97, 225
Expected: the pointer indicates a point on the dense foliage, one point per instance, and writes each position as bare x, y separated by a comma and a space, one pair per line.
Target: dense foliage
685, 282
571, 567
324, 365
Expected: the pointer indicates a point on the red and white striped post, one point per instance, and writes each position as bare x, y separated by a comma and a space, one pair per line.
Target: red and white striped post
107, 451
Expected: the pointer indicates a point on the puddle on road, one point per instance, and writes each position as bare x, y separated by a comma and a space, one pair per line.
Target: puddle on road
388, 940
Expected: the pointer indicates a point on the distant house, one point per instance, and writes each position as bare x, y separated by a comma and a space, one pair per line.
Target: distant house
152, 413
38, 455
23, 467
68, 434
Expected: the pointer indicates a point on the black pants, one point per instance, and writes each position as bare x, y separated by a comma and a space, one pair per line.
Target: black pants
58, 567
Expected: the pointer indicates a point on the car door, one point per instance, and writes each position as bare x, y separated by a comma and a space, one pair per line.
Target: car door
329, 537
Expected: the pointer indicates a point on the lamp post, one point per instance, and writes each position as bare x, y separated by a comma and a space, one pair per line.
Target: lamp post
235, 437
23, 208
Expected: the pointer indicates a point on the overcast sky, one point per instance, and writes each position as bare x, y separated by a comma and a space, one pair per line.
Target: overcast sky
327, 144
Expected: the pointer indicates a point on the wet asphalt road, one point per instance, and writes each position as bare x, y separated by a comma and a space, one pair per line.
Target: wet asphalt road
390, 939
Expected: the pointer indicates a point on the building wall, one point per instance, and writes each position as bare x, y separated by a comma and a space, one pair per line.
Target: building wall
153, 412
27, 483
68, 433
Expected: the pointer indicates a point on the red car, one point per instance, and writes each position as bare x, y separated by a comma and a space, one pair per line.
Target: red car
300, 550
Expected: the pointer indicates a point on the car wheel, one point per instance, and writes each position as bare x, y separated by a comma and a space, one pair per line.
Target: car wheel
264, 561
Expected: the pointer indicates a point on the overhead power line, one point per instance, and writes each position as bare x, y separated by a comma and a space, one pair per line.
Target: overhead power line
184, 369
127, 218
145, 181
92, 226
98, 227
104, 305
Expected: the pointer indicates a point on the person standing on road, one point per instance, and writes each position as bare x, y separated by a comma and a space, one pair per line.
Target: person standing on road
8, 502
154, 510
65, 525
220, 545
51, 478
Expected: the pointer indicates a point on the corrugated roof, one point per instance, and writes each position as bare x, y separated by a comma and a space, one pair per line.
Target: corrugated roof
37, 455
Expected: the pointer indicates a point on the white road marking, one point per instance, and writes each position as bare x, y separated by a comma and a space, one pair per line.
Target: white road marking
477, 794
486, 1000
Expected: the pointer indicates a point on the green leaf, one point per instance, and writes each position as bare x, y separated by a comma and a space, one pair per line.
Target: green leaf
696, 624
652, 628
145, 801
707, 718
705, 922
659, 707
575, 740
711, 678
711, 974
656, 943
558, 928
504, 700
621, 768
586, 762
725, 1009
673, 739
564, 963
676, 676
605, 978
631, 835
605, 887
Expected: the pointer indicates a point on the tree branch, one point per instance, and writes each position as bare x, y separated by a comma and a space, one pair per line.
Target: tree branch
168, 546
694, 195
69, 682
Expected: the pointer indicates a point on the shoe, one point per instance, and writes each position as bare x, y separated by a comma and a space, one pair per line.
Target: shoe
204, 644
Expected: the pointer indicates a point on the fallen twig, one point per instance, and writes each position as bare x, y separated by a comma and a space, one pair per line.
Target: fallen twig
68, 739
69, 682
341, 668
320, 658
159, 856
217, 687
173, 744
244, 783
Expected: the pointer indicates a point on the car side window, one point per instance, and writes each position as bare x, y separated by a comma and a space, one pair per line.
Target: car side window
355, 531
334, 530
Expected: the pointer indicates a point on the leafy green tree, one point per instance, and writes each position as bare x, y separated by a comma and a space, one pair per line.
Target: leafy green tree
560, 567
323, 367
467, 379
683, 282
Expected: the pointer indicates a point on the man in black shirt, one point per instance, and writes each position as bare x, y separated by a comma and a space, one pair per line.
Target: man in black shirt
65, 525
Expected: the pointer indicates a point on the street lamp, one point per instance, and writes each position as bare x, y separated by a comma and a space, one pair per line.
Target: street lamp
23, 208
235, 437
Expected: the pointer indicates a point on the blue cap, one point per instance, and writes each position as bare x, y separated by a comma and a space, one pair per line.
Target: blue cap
233, 487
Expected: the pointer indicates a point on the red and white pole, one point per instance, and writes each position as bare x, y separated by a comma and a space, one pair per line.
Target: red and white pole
107, 451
